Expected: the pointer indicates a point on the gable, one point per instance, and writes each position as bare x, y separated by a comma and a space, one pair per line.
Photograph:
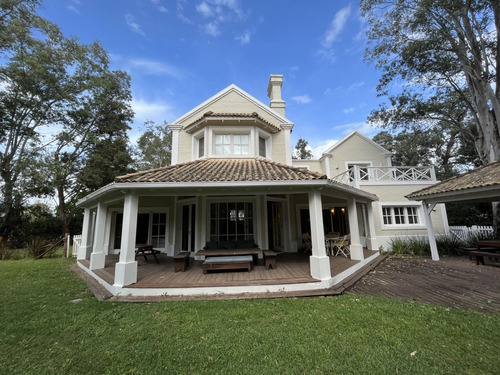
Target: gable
232, 100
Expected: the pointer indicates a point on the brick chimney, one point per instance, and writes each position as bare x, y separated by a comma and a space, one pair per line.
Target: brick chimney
274, 93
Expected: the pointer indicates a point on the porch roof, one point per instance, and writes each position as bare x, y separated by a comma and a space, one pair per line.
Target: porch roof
208, 116
221, 170
482, 183
227, 176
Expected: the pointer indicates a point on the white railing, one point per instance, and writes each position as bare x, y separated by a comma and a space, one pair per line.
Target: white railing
359, 175
465, 233
77, 242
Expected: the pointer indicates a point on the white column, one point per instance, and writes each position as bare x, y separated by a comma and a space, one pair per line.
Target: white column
175, 142
356, 249
371, 236
98, 257
320, 262
326, 164
430, 229
288, 142
126, 268
86, 246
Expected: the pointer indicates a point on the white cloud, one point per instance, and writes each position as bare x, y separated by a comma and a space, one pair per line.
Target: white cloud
205, 10
243, 38
212, 28
302, 99
151, 110
156, 68
336, 27
73, 9
349, 110
318, 150
361, 126
356, 85
135, 27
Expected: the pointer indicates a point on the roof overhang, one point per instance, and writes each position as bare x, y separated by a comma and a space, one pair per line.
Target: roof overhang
243, 119
479, 194
116, 191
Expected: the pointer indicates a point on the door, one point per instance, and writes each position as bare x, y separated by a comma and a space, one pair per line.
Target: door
275, 221
188, 227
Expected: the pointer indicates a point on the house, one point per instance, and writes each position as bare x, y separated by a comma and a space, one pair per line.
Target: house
233, 178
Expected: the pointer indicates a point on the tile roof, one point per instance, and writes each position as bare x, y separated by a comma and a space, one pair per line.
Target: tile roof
486, 176
211, 115
223, 170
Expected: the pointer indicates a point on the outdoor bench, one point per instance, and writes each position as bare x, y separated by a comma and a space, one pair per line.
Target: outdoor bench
479, 256
181, 261
234, 262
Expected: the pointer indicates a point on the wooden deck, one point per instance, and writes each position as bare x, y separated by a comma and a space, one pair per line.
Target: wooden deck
290, 269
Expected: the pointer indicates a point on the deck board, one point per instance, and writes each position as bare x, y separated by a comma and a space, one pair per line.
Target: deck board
290, 269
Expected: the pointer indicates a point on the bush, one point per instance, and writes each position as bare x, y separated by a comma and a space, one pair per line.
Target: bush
446, 245
38, 247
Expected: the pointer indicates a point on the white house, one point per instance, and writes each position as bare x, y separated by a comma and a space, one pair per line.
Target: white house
233, 179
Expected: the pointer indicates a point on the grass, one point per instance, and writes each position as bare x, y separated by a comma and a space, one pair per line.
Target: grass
45, 331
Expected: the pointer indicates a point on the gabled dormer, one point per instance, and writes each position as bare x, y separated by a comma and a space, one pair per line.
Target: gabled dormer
234, 124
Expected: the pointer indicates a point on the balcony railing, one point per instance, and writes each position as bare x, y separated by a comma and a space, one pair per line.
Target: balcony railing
359, 175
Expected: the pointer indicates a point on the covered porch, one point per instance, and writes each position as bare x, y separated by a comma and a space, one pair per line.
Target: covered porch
292, 272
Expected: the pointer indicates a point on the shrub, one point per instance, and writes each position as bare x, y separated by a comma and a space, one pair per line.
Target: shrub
38, 247
449, 245
446, 245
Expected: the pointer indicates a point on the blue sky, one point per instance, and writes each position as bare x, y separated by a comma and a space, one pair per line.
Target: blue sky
181, 52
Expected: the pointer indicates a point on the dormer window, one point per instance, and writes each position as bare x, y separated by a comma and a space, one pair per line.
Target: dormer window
262, 147
231, 145
201, 147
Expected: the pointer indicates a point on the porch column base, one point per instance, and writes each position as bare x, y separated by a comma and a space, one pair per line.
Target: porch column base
372, 243
356, 252
125, 273
84, 252
97, 260
320, 267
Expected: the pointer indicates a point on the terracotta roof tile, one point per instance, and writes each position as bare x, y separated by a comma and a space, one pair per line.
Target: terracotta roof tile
223, 170
211, 114
487, 175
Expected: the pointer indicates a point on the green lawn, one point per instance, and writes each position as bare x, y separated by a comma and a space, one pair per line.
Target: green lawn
44, 332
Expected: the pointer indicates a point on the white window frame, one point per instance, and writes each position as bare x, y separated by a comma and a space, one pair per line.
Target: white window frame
406, 225
202, 134
235, 199
268, 139
231, 130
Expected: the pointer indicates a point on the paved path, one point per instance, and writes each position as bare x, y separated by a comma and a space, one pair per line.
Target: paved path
450, 282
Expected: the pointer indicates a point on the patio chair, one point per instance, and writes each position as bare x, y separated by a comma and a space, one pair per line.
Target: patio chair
341, 246
306, 237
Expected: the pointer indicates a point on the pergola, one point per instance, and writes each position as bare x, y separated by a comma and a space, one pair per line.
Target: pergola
479, 185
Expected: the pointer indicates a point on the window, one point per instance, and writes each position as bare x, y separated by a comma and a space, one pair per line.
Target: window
201, 147
151, 229
158, 230
231, 144
262, 147
400, 215
231, 221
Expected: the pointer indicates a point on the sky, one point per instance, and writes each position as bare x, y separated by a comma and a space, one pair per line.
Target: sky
181, 52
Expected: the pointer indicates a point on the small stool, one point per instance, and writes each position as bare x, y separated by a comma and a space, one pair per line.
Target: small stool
269, 259
181, 261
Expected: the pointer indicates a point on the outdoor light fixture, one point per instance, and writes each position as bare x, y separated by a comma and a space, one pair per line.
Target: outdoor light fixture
343, 210
332, 211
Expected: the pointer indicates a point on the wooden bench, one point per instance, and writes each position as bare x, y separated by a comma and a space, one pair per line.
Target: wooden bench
269, 259
145, 250
479, 256
181, 261
235, 262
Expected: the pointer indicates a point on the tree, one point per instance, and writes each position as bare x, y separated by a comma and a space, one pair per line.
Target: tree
154, 147
446, 55
301, 151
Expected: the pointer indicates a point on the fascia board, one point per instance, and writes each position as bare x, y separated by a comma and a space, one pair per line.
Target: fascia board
485, 193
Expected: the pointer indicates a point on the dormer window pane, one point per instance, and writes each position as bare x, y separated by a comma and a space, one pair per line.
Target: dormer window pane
226, 144
240, 144
262, 147
201, 147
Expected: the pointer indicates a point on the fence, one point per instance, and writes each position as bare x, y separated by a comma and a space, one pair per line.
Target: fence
77, 242
465, 233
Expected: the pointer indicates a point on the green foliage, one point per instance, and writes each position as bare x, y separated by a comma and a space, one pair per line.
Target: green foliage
301, 150
51, 323
439, 63
154, 147
419, 245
